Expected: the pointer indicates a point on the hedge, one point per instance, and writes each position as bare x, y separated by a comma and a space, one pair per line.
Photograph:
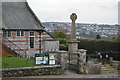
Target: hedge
92, 45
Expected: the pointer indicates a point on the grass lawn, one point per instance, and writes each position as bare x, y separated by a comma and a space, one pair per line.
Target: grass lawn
15, 62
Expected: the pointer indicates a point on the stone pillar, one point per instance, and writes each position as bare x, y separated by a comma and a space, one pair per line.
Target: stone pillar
82, 55
82, 61
62, 59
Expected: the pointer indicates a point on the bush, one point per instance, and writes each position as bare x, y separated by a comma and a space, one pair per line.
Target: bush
98, 36
63, 38
63, 44
99, 45
114, 38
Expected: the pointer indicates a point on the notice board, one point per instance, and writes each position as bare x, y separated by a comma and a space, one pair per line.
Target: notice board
42, 58
45, 58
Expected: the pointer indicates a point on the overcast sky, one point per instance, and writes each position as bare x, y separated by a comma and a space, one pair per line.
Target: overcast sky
88, 11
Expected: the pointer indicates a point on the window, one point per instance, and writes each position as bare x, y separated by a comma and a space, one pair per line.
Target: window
31, 33
31, 42
4, 33
9, 33
20, 33
32, 39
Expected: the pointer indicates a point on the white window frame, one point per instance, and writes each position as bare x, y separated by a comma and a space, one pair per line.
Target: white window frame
6, 34
33, 37
20, 33
9, 34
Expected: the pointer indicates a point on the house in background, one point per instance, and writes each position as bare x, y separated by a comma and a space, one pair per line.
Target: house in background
22, 32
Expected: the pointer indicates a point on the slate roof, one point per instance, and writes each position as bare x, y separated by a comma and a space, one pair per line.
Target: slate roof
18, 15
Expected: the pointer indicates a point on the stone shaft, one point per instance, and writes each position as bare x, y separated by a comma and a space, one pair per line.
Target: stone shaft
73, 17
73, 32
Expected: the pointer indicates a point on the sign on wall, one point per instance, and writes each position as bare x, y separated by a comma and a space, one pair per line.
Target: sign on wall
45, 58
52, 59
42, 58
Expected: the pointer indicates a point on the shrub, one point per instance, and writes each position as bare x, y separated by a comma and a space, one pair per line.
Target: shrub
92, 45
98, 36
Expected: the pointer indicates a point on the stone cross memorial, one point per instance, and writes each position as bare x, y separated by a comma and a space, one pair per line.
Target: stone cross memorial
77, 57
73, 17
73, 43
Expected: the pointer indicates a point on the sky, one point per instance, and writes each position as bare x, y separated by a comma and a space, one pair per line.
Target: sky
88, 11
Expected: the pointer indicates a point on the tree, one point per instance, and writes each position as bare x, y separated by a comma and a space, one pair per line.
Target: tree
61, 35
63, 38
98, 36
114, 37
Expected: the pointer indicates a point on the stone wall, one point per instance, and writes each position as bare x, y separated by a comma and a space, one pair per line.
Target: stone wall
116, 64
94, 69
94, 66
86, 68
74, 67
33, 71
62, 59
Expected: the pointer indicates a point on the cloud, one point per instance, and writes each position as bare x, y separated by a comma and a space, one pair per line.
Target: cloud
94, 11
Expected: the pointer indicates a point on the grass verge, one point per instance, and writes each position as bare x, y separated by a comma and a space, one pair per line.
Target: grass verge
15, 62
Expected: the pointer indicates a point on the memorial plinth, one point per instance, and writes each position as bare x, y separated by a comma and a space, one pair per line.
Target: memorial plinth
73, 46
